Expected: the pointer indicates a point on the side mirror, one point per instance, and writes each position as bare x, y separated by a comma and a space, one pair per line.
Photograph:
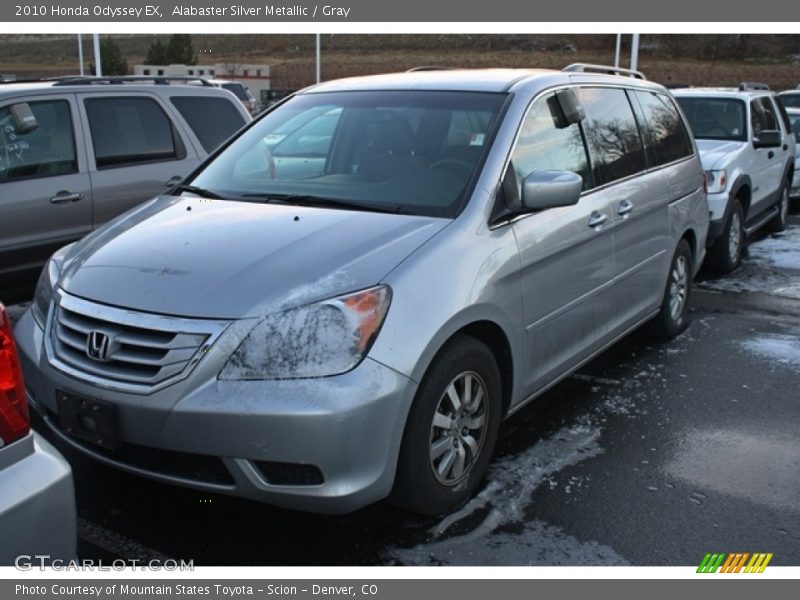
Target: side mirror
23, 118
769, 138
550, 189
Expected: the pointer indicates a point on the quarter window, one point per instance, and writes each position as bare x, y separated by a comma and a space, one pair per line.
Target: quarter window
130, 130
663, 129
47, 150
614, 143
545, 144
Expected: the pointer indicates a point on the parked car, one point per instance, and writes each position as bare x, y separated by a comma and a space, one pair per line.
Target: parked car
238, 89
794, 119
37, 498
77, 152
748, 152
324, 341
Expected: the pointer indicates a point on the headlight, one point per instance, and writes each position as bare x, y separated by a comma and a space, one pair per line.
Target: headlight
318, 340
716, 181
44, 292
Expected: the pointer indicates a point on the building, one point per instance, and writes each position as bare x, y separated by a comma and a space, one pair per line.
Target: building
255, 77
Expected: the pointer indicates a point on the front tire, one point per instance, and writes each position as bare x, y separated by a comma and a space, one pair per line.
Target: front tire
726, 253
778, 223
451, 429
671, 320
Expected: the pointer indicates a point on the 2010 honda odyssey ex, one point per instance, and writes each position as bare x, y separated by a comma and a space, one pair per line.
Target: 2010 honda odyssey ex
344, 301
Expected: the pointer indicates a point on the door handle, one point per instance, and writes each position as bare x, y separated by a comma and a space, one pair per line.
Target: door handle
173, 181
64, 196
770, 154
625, 208
785, 147
597, 219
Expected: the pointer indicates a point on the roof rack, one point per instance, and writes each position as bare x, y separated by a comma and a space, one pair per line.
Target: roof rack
753, 85
607, 70
123, 79
428, 68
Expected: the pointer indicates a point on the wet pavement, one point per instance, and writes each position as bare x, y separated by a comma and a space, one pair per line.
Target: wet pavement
652, 454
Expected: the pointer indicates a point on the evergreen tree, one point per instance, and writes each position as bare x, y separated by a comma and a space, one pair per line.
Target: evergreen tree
180, 50
111, 59
157, 53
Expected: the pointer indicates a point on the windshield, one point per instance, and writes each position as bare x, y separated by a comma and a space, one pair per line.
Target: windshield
411, 152
790, 100
715, 118
794, 119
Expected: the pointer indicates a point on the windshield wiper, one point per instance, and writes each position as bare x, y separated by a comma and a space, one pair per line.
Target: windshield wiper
321, 201
203, 192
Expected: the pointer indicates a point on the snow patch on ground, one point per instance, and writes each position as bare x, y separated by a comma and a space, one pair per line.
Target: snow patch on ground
783, 349
502, 503
537, 543
771, 266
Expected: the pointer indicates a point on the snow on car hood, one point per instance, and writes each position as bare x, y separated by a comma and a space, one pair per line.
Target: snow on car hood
715, 154
194, 257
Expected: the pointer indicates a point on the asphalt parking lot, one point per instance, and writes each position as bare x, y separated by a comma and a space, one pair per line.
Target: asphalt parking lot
653, 454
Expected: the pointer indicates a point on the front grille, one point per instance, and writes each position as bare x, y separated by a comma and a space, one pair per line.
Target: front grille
141, 350
171, 463
280, 473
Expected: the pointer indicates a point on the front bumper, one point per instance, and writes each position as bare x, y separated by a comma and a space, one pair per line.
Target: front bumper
37, 502
213, 435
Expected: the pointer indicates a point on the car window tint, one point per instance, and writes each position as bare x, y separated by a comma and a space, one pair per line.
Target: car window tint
544, 144
663, 127
615, 146
47, 150
210, 131
237, 89
715, 118
762, 116
790, 100
128, 131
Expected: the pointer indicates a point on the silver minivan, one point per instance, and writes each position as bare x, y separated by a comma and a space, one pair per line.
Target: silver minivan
344, 301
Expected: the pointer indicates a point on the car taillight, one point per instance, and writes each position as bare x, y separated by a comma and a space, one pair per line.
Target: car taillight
14, 423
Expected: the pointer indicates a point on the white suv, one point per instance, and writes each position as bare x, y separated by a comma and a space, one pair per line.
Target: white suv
747, 149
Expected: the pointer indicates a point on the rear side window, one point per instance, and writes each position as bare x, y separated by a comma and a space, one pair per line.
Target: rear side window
46, 151
213, 120
663, 128
130, 130
615, 146
545, 145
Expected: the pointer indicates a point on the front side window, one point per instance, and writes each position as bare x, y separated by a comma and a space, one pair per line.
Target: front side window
401, 151
715, 118
545, 143
762, 116
128, 131
615, 146
47, 150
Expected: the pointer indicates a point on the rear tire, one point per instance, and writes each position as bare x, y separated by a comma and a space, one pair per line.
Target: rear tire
726, 253
778, 223
451, 429
671, 320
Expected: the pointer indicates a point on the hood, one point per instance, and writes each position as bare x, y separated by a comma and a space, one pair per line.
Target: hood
221, 259
715, 154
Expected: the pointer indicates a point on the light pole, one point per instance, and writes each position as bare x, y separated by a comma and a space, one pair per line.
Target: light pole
98, 70
319, 59
635, 52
